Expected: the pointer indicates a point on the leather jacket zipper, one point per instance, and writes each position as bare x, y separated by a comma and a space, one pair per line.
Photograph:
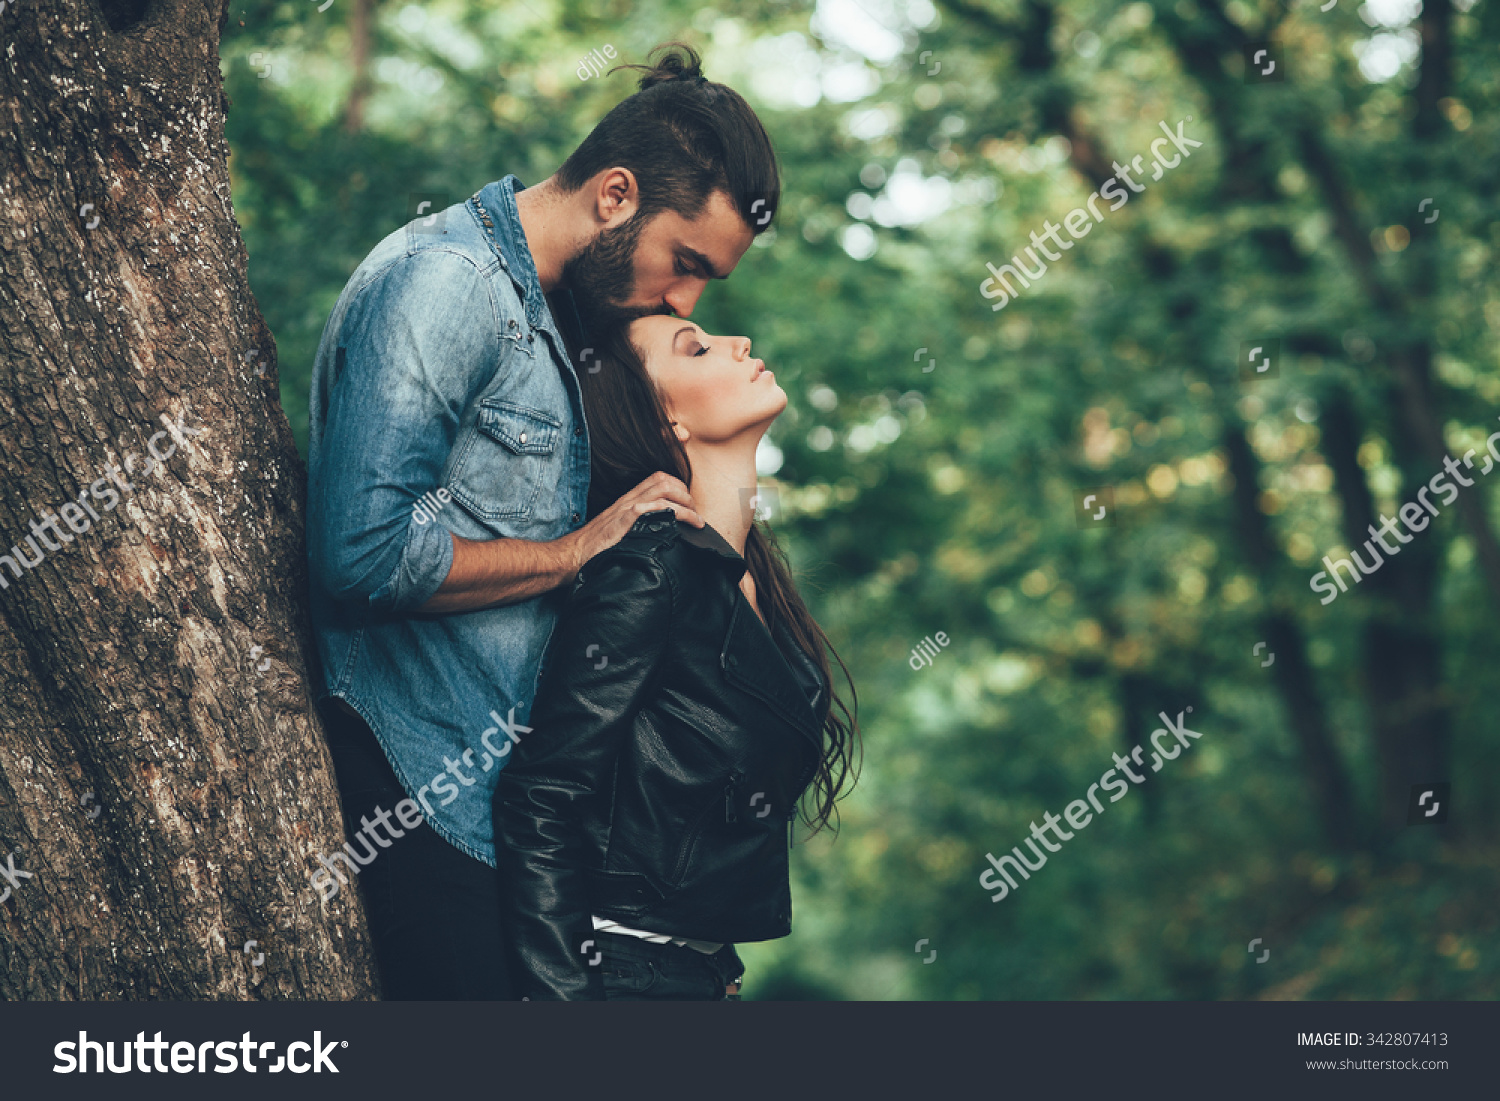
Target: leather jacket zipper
731, 815
705, 816
791, 816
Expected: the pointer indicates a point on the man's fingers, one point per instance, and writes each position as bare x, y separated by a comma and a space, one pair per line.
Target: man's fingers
681, 512
684, 513
658, 492
660, 487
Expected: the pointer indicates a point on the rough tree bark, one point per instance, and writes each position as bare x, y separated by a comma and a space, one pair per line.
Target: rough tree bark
164, 786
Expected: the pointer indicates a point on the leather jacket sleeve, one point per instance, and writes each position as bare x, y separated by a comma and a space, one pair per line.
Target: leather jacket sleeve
608, 645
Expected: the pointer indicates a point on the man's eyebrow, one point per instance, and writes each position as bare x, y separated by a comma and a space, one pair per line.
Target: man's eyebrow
702, 261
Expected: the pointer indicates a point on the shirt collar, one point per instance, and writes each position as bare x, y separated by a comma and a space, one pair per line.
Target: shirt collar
499, 198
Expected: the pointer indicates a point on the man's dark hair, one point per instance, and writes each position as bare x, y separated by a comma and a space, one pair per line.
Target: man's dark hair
684, 137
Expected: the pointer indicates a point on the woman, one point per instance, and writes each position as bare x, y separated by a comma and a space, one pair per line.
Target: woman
684, 707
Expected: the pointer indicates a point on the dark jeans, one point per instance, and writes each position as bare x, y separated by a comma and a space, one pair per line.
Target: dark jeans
434, 912
637, 970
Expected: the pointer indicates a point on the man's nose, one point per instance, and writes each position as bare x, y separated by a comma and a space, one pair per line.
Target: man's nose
684, 296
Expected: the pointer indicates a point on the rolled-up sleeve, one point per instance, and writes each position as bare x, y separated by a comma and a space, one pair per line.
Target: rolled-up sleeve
418, 344
582, 718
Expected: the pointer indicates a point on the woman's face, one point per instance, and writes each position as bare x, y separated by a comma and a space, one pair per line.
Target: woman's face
713, 387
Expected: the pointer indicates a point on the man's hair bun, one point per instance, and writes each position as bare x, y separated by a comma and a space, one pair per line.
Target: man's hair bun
679, 62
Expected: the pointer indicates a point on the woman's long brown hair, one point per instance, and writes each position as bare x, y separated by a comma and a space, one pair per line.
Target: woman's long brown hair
631, 438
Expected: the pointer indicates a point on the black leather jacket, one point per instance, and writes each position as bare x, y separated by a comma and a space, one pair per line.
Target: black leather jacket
671, 739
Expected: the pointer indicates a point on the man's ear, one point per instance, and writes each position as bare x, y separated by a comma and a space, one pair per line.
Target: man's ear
616, 197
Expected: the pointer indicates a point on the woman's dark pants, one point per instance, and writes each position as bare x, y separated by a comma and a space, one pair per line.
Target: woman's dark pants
637, 970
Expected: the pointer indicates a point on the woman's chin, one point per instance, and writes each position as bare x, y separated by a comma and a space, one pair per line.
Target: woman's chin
762, 425
779, 402
758, 416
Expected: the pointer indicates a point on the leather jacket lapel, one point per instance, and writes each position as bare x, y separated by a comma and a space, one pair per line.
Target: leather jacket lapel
754, 663
752, 660
808, 675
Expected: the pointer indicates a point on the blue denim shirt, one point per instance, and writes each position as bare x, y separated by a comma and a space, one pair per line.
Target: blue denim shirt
443, 400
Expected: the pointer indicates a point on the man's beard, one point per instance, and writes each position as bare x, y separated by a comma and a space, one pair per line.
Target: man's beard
601, 276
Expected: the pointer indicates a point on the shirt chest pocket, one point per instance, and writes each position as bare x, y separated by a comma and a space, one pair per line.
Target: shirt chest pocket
513, 454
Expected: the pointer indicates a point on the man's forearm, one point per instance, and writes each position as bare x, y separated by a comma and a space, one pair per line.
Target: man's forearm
502, 571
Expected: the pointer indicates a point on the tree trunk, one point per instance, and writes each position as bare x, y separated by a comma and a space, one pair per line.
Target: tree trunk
360, 18
1286, 647
1402, 644
164, 786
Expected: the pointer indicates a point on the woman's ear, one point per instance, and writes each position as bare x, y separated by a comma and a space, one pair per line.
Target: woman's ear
682, 434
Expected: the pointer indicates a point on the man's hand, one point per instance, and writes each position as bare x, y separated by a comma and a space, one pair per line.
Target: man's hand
657, 492
486, 573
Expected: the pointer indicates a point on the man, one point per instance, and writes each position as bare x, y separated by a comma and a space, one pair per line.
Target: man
448, 473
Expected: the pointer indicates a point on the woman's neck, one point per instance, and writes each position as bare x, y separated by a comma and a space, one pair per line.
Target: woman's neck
723, 483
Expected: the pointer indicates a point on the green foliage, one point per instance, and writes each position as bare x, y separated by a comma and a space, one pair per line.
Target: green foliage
944, 500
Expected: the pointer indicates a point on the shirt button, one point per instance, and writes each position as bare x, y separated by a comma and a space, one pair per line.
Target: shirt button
531, 338
523, 437
575, 517
578, 431
512, 323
